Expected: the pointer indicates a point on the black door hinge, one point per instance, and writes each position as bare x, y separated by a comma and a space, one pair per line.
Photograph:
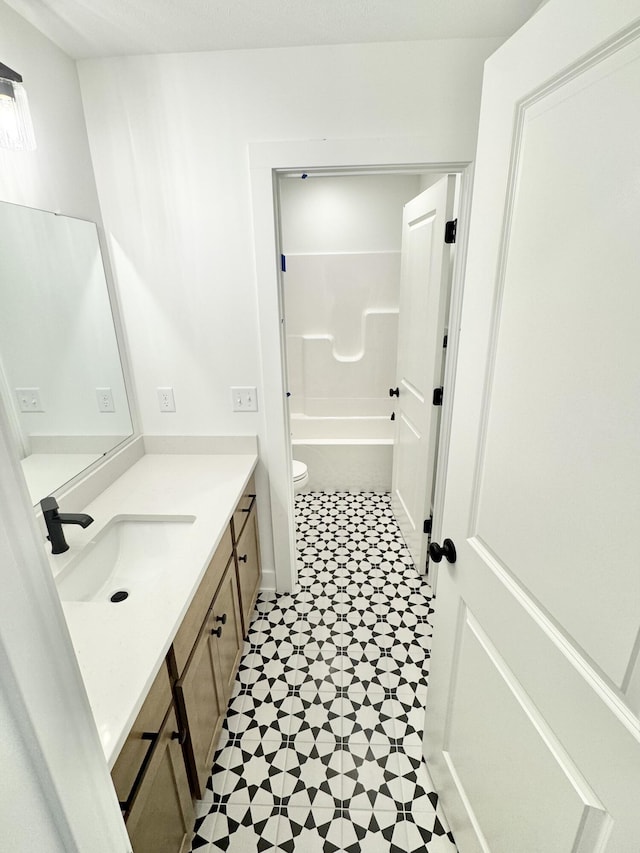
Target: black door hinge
445, 341
450, 231
437, 396
283, 263
428, 524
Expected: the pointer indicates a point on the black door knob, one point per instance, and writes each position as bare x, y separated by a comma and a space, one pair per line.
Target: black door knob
448, 551
222, 618
394, 392
243, 558
217, 632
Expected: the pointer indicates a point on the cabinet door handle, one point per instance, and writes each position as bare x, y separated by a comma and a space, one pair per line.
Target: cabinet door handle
125, 806
180, 736
217, 631
222, 618
250, 507
242, 559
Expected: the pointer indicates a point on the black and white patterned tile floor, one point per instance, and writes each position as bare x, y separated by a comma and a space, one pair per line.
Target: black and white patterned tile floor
321, 749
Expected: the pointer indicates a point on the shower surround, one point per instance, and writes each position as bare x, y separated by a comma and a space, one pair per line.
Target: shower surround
341, 335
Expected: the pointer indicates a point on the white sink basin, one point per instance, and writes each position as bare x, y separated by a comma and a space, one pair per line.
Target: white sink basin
126, 556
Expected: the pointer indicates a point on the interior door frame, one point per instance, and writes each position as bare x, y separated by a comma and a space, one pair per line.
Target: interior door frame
268, 161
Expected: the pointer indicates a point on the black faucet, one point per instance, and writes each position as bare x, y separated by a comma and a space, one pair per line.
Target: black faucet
54, 521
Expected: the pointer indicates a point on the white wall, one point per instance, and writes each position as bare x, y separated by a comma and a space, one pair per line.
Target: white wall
58, 175
349, 213
55, 791
169, 139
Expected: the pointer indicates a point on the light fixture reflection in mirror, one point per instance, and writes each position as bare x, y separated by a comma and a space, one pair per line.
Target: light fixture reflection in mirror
61, 379
16, 129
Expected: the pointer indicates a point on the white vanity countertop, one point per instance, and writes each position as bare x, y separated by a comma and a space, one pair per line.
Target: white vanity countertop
120, 647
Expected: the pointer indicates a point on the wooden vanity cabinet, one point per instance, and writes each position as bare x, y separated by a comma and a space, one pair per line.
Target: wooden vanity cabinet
246, 549
168, 755
150, 776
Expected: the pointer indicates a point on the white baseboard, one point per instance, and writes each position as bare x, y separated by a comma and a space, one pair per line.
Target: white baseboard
268, 582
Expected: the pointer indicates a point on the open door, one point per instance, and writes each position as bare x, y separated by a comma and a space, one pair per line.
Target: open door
532, 728
424, 298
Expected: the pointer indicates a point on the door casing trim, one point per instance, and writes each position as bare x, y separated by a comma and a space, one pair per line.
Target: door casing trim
268, 161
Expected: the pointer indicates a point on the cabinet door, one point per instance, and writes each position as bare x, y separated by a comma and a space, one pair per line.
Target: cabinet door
138, 746
248, 557
201, 706
188, 632
225, 624
162, 816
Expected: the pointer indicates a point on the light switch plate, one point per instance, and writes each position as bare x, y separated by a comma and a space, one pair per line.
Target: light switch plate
29, 400
244, 399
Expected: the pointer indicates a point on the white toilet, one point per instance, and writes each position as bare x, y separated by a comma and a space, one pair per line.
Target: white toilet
300, 476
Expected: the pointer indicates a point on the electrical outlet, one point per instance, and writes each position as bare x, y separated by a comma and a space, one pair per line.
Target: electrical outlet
166, 400
245, 399
105, 400
29, 400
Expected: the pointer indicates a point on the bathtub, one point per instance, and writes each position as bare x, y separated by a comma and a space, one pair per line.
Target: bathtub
352, 454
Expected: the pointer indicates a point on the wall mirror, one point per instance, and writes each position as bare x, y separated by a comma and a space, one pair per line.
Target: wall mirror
61, 378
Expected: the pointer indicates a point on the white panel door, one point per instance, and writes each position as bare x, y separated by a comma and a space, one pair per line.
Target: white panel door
424, 288
532, 729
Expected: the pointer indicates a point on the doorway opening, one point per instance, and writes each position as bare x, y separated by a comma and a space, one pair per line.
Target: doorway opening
351, 329
270, 163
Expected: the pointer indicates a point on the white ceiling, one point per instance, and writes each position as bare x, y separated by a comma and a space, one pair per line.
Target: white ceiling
93, 28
